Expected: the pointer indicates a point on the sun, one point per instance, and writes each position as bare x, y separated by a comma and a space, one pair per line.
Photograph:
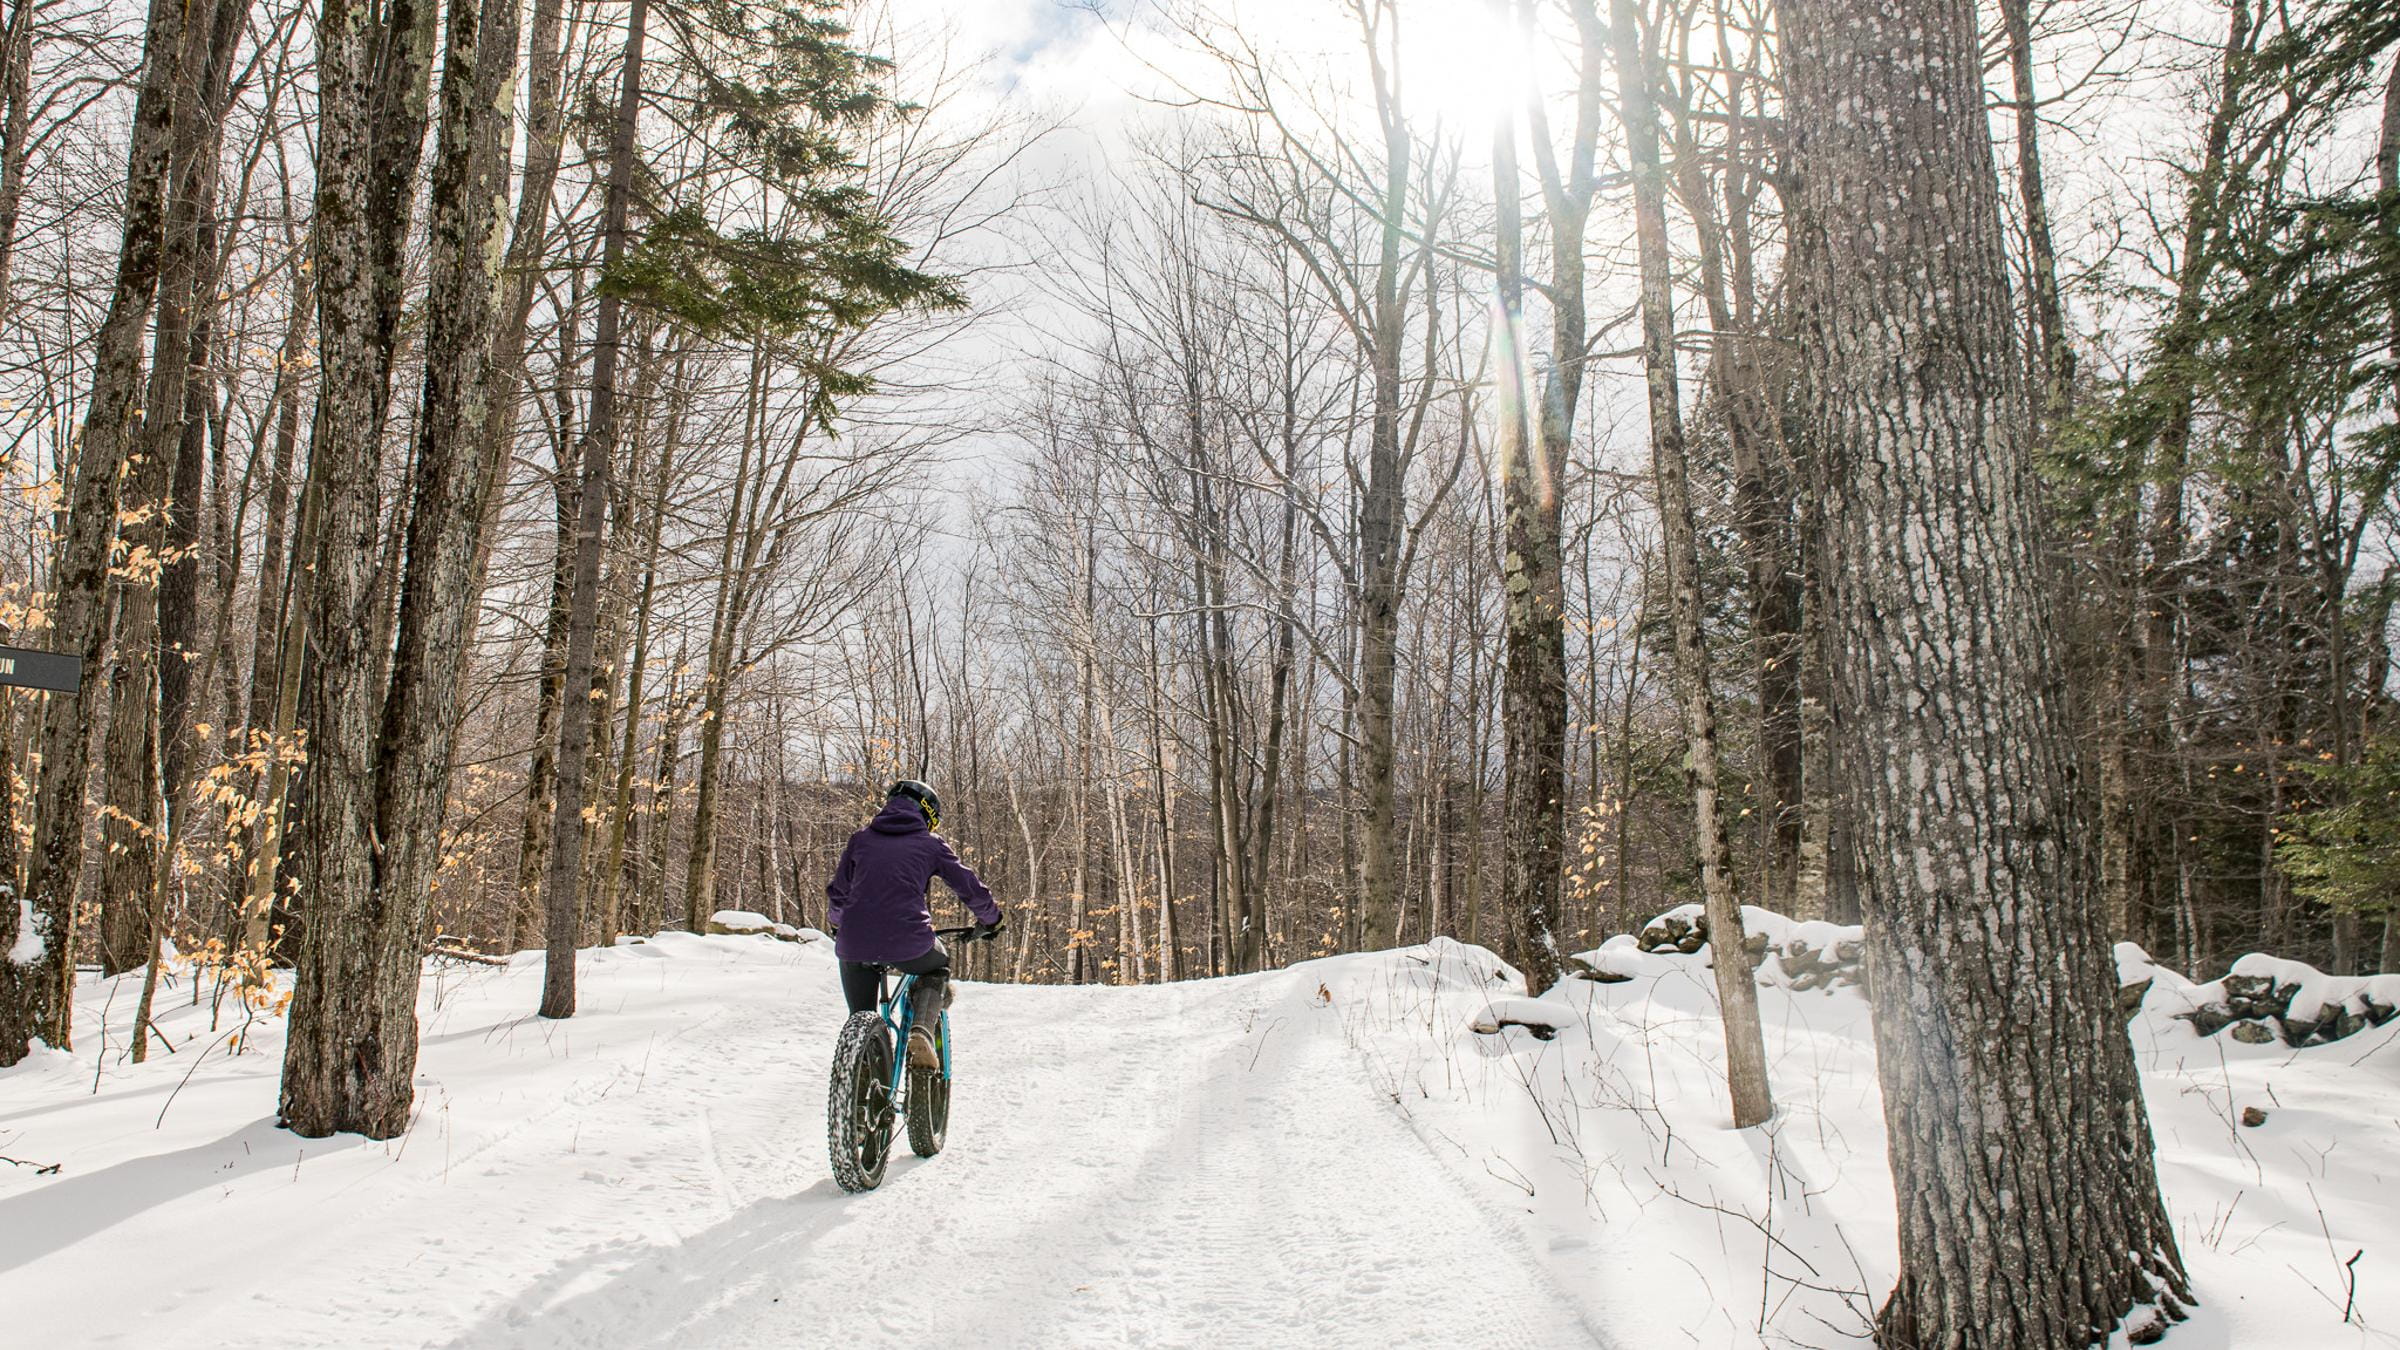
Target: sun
1462, 62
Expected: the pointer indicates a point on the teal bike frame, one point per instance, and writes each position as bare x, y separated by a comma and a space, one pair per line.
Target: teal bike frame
900, 1013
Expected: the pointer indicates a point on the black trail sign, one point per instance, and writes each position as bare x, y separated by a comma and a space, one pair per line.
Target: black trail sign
54, 671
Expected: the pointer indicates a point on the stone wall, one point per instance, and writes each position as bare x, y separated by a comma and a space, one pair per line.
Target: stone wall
2262, 1000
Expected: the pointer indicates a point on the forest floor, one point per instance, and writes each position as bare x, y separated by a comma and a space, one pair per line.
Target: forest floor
1324, 1155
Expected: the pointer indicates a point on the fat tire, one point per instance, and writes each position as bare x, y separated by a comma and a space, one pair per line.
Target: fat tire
928, 1111
858, 1109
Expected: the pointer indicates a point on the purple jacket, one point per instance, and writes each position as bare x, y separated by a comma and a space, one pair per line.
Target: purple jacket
877, 895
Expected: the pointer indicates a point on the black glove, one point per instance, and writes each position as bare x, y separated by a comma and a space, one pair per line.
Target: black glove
985, 932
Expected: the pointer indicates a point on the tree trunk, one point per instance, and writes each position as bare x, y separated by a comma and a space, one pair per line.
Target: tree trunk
199, 430
2030, 1218
1533, 461
16, 1009
437, 600
662, 805
1737, 992
2154, 848
16, 127
250, 887
42, 983
1738, 378
528, 246
541, 771
132, 821
563, 895
620, 815
2054, 355
1534, 686
351, 1058
1381, 511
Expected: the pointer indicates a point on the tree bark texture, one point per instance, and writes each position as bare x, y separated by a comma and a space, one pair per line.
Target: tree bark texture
16, 127
1534, 692
1534, 442
1381, 522
2029, 1209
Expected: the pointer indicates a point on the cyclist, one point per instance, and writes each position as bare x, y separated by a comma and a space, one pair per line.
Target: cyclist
877, 911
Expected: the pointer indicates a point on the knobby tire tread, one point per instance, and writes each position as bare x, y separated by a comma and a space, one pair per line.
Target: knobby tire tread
845, 1133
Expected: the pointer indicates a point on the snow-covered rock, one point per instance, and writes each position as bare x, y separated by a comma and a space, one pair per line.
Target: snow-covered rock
741, 922
1543, 1017
1615, 961
1801, 954
2265, 999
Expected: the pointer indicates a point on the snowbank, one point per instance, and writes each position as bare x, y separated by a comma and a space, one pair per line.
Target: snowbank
1603, 1126
1332, 1154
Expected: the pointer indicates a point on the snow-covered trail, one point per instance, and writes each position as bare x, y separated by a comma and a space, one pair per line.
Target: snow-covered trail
1200, 1163
1321, 1156
1147, 1167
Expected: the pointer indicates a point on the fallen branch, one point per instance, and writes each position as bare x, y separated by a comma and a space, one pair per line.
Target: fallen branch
160, 1123
39, 1169
444, 949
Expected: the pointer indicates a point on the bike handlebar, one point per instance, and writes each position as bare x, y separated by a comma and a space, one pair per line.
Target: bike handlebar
967, 933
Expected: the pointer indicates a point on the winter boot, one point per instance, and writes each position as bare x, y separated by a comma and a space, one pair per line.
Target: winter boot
921, 1051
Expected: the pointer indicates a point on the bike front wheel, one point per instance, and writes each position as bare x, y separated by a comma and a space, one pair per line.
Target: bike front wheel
858, 1104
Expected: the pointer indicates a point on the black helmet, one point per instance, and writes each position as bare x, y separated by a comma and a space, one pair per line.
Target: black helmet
922, 795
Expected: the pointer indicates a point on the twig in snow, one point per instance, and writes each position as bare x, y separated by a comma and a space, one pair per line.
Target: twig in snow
187, 1073
2349, 1278
102, 1057
1259, 1048
1520, 1183
45, 1169
1745, 1216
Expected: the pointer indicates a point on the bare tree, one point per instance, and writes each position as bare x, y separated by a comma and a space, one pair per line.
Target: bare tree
1737, 993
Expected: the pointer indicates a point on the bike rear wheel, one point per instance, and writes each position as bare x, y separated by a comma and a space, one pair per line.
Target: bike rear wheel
928, 1107
858, 1104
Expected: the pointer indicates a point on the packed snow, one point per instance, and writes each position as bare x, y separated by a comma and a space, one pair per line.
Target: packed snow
1328, 1155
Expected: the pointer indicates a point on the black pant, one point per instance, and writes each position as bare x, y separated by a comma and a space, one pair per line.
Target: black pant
862, 981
